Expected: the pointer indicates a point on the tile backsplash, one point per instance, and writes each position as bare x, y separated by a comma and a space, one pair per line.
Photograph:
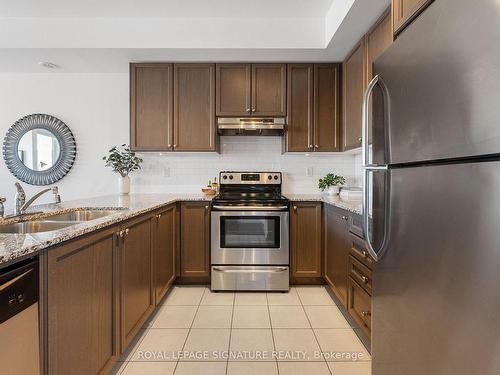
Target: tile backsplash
188, 172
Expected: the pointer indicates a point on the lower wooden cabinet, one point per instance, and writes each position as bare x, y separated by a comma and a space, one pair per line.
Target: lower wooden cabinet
164, 250
81, 286
306, 241
360, 306
195, 242
336, 251
136, 291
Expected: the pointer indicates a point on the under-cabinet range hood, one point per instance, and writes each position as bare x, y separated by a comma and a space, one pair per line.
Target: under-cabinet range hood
251, 125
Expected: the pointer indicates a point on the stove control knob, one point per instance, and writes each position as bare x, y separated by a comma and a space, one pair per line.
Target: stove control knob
224, 177
269, 177
275, 177
231, 177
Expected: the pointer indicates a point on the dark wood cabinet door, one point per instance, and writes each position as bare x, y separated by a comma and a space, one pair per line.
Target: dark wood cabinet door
306, 240
300, 109
136, 277
336, 251
360, 306
378, 39
80, 308
195, 240
353, 90
405, 11
151, 100
268, 89
165, 239
233, 88
194, 107
326, 107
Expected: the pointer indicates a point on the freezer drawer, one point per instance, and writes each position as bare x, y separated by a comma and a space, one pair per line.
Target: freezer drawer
251, 278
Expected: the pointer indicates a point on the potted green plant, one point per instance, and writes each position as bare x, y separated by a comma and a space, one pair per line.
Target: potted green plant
331, 183
123, 161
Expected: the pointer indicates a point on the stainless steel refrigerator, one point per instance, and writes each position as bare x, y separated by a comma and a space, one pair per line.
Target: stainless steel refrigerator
432, 194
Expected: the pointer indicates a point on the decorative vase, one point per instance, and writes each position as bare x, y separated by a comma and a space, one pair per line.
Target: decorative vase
333, 190
124, 185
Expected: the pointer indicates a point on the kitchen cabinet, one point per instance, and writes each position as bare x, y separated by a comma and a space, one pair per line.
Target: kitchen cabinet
233, 89
81, 287
359, 306
165, 248
151, 107
353, 90
306, 241
194, 107
336, 251
313, 107
251, 90
405, 11
195, 242
136, 293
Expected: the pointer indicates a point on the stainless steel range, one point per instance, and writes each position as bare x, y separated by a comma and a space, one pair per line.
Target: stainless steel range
250, 233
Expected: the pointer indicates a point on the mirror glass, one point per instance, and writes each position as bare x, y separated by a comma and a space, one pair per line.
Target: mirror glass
39, 149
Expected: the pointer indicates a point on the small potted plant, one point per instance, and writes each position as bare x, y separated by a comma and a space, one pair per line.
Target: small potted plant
331, 183
123, 161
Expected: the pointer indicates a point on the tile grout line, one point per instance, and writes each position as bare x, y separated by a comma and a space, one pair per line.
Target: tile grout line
314, 333
230, 334
272, 333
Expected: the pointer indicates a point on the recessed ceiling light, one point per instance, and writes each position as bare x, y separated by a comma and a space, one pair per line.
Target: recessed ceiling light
48, 65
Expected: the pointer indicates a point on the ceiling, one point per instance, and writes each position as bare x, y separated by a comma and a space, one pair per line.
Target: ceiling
105, 35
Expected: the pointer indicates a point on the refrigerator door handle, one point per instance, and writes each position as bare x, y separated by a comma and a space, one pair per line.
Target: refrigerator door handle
368, 168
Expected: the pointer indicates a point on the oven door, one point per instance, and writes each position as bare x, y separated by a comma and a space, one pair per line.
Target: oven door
250, 237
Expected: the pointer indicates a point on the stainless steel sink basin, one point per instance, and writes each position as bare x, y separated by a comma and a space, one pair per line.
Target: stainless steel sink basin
33, 227
81, 215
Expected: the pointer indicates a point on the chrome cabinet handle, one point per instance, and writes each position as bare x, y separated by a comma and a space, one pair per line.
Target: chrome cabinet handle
121, 233
316, 146
369, 168
175, 145
127, 231
295, 208
253, 109
366, 313
344, 217
365, 253
169, 145
249, 208
249, 110
274, 270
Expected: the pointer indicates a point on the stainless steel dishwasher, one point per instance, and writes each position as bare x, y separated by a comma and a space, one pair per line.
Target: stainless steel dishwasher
19, 328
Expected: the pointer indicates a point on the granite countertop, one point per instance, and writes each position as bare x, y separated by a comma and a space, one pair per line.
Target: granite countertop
19, 246
354, 206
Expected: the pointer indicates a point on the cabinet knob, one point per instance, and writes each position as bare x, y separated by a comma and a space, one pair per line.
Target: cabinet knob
311, 146
175, 145
121, 233
169, 145
360, 139
253, 109
366, 313
365, 279
344, 217
295, 208
206, 207
249, 110
365, 253
158, 216
126, 232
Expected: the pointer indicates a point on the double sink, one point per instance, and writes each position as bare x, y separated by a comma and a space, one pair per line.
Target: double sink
57, 221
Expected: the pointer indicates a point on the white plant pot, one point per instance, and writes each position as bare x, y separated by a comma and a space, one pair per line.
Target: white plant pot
333, 190
124, 185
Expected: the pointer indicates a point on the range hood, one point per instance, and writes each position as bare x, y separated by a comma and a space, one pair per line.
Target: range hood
251, 125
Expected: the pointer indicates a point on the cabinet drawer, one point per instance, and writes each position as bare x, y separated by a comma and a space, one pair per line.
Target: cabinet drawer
360, 306
358, 250
356, 224
360, 273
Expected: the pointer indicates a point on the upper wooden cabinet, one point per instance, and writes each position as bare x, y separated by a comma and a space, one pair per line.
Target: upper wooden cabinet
377, 40
313, 107
194, 107
151, 102
306, 240
81, 285
405, 11
251, 90
195, 241
353, 90
172, 107
233, 89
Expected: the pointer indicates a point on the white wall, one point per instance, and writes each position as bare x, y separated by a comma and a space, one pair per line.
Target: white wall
96, 108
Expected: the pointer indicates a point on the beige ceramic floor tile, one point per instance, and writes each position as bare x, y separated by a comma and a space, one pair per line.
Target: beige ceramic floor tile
206, 342
251, 299
326, 317
341, 345
149, 368
118, 368
314, 295
280, 298
160, 345
200, 368
172, 316
288, 317
300, 342
252, 368
185, 296
213, 317
128, 354
251, 345
217, 298
350, 368
251, 317
303, 368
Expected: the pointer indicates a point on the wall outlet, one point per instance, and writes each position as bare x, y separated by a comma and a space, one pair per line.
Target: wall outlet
309, 171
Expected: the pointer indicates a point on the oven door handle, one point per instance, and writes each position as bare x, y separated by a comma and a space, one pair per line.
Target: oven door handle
274, 270
250, 208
